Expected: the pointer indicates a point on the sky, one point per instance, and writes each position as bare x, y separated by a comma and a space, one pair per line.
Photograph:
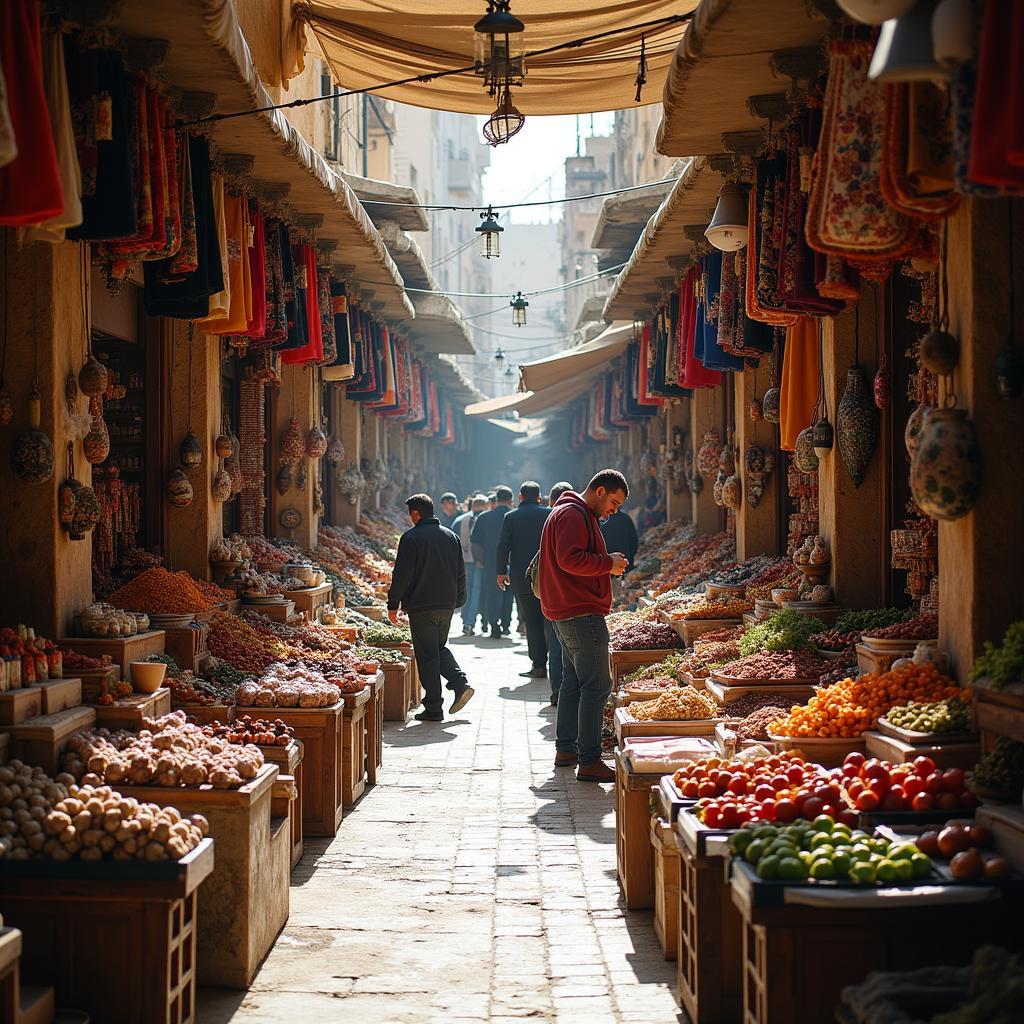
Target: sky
531, 165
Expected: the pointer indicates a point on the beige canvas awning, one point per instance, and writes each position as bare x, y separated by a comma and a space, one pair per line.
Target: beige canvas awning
622, 218
384, 200
569, 365
208, 57
664, 245
732, 65
369, 42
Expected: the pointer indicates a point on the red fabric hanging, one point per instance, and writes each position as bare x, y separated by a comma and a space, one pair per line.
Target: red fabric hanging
257, 326
313, 350
30, 189
694, 373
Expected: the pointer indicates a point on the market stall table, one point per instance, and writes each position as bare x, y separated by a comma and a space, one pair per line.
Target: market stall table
129, 712
945, 754
633, 854
41, 740
626, 726
666, 886
310, 601
353, 775
121, 650
289, 762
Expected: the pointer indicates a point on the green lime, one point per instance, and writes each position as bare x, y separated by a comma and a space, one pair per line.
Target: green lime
755, 851
904, 870
790, 867
887, 870
739, 841
903, 851
841, 826
921, 864
823, 823
765, 832
861, 852
768, 867
842, 863
822, 869
820, 839
862, 873
808, 857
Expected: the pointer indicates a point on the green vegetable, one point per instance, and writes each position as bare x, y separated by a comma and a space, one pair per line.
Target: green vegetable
1005, 663
784, 631
669, 667
173, 668
871, 618
381, 633
386, 656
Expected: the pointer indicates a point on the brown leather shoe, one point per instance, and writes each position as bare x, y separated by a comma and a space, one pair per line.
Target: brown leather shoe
563, 760
596, 772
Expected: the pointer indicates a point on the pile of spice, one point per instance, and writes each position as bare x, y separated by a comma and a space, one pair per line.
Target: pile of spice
718, 608
924, 627
670, 666
709, 657
159, 592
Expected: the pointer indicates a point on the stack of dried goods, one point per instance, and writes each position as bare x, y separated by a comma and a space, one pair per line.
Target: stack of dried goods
676, 704
159, 592
75, 662
651, 684
382, 655
725, 635
835, 639
645, 636
261, 731
780, 665
213, 593
241, 644
289, 686
924, 627
378, 634
709, 657
26, 658
264, 552
755, 726
168, 752
944, 716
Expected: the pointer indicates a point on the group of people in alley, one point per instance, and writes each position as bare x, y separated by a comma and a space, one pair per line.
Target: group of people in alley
557, 557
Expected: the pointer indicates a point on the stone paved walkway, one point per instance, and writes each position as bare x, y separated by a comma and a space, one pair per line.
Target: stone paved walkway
474, 883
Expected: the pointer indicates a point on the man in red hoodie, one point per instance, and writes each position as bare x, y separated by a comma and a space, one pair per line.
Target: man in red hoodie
575, 573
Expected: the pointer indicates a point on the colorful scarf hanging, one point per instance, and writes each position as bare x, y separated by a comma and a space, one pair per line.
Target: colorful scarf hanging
326, 307
186, 260
706, 345
343, 367
257, 326
306, 297
761, 263
231, 309
294, 292
800, 381
694, 373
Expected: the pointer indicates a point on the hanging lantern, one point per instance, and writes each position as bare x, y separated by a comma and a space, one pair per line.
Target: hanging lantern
284, 478
179, 490
316, 443
220, 489
856, 425
190, 451
223, 447
499, 358
728, 228
519, 305
822, 438
874, 12
883, 384
96, 443
500, 47
953, 32
710, 452
946, 468
335, 453
92, 378
490, 235
803, 452
32, 456
293, 444
904, 51
770, 404
505, 122
939, 352
912, 431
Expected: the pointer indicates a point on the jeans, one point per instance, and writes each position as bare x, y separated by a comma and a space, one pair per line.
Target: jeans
586, 686
433, 659
472, 606
554, 656
532, 619
491, 598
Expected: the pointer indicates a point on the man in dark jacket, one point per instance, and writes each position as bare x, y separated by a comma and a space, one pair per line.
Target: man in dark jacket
449, 509
575, 593
429, 583
620, 535
520, 541
485, 537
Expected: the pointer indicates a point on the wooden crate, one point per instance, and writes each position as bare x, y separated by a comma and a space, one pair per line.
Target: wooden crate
97, 682
322, 733
244, 904
74, 915
690, 629
312, 600
122, 650
666, 886
870, 660
350, 634
375, 730
41, 741
129, 713
397, 687
187, 646
371, 611
624, 662
10, 953
729, 694
709, 945
16, 706
353, 773
204, 714
633, 853
60, 694
289, 763
825, 751
945, 755
1007, 824
626, 725
281, 612
998, 712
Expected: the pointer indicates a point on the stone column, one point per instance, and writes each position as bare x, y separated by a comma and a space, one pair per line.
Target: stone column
349, 430
705, 414
756, 527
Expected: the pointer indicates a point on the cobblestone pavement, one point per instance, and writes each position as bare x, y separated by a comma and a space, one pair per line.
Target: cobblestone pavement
475, 882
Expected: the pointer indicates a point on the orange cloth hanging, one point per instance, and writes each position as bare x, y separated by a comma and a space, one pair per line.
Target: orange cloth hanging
238, 293
801, 370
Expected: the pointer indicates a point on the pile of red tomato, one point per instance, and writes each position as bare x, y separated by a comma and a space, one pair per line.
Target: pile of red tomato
874, 785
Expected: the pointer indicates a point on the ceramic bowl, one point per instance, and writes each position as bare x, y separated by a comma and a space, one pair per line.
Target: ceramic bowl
147, 676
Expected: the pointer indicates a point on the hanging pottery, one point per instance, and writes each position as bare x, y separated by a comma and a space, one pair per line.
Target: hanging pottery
293, 444
6, 407
822, 438
727, 461
716, 491
223, 447
32, 457
756, 466
316, 443
912, 431
92, 378
770, 404
756, 409
96, 444
87, 514
732, 492
856, 425
190, 451
883, 384
803, 453
709, 452
220, 488
284, 478
335, 453
179, 490
939, 352
946, 468
66, 496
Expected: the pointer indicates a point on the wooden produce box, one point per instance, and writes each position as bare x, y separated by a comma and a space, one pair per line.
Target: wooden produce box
97, 682
798, 694
709, 945
626, 725
666, 886
625, 662
312, 600
634, 856
129, 713
375, 730
353, 773
669, 800
244, 904
122, 650
204, 714
10, 982
41, 741
347, 633
321, 731
871, 660
74, 916
998, 712
945, 755
187, 646
18, 705
289, 763
690, 629
397, 687
1007, 824
60, 694
280, 612
371, 611
825, 751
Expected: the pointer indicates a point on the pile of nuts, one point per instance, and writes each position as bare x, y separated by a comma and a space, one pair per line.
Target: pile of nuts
751, 702
260, 731
166, 752
834, 640
756, 725
701, 662
719, 608
655, 683
288, 686
679, 704
719, 636
924, 627
777, 665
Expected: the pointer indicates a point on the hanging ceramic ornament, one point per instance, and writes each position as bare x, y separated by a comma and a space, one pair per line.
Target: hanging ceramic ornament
300, 476
96, 444
190, 451
293, 444
939, 352
284, 478
822, 438
717, 492
335, 453
946, 469
223, 447
732, 492
92, 378
770, 404
882, 384
32, 456
316, 443
290, 518
88, 512
856, 425
179, 490
803, 453
710, 450
220, 488
756, 468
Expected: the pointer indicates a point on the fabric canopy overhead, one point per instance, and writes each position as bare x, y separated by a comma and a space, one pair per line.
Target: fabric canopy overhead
369, 42
566, 366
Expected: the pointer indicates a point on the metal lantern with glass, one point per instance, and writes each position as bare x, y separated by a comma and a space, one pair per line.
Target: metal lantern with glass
519, 305
500, 48
490, 235
499, 357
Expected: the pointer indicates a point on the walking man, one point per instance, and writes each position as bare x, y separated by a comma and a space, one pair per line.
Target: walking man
485, 537
575, 585
449, 509
429, 583
462, 528
520, 541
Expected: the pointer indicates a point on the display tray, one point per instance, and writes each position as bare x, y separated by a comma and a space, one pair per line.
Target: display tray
626, 725
625, 697
182, 621
728, 694
194, 866
690, 629
694, 833
827, 613
261, 599
884, 726
670, 801
727, 680
713, 590
697, 682
878, 643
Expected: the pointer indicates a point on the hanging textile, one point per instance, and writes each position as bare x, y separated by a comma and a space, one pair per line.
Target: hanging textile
30, 184
219, 305
846, 212
238, 292
276, 309
306, 297
257, 325
997, 137
800, 381
59, 104
294, 291
186, 259
8, 143
643, 373
963, 89
761, 302
343, 367
707, 347
694, 373
326, 309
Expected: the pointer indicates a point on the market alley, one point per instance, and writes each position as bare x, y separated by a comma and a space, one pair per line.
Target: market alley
475, 882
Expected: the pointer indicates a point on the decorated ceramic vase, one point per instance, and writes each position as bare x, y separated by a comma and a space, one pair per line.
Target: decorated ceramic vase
770, 404
946, 469
32, 457
190, 451
709, 452
220, 488
822, 438
856, 425
803, 453
92, 378
717, 491
179, 490
96, 444
912, 431
87, 514
283, 480
335, 453
732, 492
300, 476
882, 386
223, 446
293, 444
316, 443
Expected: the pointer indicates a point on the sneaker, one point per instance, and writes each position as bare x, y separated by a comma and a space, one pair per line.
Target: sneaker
565, 760
468, 631
430, 716
495, 633
462, 698
596, 772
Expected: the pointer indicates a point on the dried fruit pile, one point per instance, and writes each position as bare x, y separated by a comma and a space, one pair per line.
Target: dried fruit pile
709, 657
834, 639
265, 552
924, 627
779, 665
213, 593
782, 574
943, 716
717, 608
679, 703
751, 702
654, 683
246, 729
75, 662
244, 646
727, 634
159, 592
689, 560
289, 686
756, 725
645, 636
